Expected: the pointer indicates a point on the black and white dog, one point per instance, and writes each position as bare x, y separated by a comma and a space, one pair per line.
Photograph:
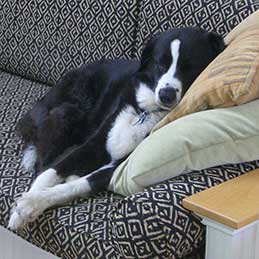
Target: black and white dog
97, 115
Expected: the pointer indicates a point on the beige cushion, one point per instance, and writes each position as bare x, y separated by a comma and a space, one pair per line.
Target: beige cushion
194, 142
231, 79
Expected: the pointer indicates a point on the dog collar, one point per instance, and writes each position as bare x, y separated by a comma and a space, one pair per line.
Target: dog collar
142, 118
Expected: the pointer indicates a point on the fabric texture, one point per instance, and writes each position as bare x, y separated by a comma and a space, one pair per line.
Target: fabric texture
220, 16
232, 78
194, 142
151, 224
43, 39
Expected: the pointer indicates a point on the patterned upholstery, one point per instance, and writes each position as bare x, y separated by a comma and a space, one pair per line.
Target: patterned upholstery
149, 224
213, 15
42, 39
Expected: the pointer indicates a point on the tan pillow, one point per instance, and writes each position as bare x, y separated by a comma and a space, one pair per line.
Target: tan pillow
230, 79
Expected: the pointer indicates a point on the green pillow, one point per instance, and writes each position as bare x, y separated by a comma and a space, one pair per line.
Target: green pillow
194, 142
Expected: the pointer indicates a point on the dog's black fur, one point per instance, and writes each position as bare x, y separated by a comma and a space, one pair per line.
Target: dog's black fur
81, 110
78, 110
98, 114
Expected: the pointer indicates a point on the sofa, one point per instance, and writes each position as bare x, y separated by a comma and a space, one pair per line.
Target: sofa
39, 42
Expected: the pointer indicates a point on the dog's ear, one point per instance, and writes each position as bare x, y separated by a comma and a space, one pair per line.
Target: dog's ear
146, 55
216, 41
143, 76
147, 50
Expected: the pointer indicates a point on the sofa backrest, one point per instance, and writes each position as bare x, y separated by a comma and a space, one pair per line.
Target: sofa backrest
213, 15
43, 39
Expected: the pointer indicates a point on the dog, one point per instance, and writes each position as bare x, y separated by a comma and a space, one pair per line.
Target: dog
98, 114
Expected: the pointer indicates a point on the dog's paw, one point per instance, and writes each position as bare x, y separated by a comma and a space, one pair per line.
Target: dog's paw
26, 209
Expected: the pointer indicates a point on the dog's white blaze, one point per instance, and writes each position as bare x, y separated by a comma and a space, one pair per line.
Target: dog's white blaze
125, 134
146, 98
169, 79
29, 158
175, 46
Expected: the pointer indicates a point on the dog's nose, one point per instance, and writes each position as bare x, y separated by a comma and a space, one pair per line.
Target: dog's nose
167, 95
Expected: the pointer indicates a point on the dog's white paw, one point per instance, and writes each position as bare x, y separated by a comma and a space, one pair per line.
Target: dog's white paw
26, 209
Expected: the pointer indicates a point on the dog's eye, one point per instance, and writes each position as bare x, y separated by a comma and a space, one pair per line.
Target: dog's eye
162, 68
185, 65
165, 62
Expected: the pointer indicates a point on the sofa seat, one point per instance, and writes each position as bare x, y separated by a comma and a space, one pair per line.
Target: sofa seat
149, 224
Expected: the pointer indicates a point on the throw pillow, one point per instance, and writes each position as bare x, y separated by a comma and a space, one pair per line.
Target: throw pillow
231, 79
194, 142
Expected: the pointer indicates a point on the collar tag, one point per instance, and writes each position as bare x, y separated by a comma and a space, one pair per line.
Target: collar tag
141, 119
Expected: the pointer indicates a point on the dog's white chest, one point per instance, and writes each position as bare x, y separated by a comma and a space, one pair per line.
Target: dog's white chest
127, 131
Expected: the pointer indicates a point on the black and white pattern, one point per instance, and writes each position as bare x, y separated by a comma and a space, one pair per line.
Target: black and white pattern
149, 224
42, 39
213, 15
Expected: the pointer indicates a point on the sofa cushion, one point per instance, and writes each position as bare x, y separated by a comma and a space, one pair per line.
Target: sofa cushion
100, 226
194, 142
232, 78
150, 224
213, 15
42, 39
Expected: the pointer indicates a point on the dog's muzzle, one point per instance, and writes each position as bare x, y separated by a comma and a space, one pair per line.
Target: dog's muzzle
167, 96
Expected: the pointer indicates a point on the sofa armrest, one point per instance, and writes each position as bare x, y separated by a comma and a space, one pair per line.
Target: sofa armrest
234, 203
231, 213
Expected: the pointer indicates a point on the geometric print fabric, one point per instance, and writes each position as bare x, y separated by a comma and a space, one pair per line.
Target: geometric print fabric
220, 16
42, 39
149, 224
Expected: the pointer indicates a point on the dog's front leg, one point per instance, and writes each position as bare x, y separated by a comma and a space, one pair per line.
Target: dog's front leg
33, 203
44, 192
27, 208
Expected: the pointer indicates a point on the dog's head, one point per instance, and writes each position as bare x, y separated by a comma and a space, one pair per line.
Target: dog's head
171, 61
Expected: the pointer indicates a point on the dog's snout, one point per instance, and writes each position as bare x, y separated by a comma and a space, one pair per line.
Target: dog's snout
167, 95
